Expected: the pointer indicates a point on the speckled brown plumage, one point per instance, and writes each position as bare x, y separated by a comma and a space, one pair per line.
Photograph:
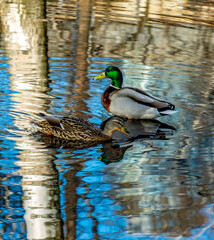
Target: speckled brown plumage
77, 129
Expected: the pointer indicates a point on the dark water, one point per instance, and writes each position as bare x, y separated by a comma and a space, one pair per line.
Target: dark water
159, 186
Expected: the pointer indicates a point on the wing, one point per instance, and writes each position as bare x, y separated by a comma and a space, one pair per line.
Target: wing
79, 128
141, 97
79, 124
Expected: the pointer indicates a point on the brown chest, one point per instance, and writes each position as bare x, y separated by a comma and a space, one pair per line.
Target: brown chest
105, 99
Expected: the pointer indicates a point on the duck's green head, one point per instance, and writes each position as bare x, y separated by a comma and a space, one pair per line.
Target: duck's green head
114, 74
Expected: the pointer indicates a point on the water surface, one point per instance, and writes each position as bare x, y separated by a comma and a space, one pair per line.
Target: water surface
159, 186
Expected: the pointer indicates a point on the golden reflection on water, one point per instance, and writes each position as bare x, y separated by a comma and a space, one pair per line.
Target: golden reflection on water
40, 188
155, 201
141, 36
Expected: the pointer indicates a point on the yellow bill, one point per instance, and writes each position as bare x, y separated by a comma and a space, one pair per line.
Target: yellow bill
124, 130
102, 75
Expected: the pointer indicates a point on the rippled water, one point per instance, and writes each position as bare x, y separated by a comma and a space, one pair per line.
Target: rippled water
159, 186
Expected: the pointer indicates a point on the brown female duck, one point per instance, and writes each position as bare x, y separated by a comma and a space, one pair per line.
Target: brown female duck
78, 129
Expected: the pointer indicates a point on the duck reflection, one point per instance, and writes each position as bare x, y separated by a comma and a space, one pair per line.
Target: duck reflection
143, 129
112, 151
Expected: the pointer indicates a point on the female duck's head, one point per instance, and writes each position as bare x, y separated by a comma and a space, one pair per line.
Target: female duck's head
114, 124
114, 74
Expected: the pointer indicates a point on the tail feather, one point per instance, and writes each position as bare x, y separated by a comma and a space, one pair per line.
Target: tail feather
168, 112
170, 109
52, 120
171, 106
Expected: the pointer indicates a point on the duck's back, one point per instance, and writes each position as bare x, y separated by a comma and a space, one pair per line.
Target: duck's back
81, 129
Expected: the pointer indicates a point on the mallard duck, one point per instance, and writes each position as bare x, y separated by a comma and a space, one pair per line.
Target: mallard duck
129, 102
78, 129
